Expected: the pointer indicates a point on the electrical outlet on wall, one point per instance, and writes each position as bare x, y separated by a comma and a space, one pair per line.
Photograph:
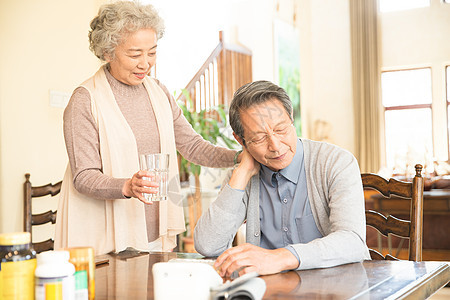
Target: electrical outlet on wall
59, 99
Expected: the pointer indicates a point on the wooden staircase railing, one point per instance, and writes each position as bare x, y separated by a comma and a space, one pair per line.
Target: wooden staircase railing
226, 69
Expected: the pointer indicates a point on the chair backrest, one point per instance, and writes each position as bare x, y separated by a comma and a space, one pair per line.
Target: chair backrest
407, 229
31, 219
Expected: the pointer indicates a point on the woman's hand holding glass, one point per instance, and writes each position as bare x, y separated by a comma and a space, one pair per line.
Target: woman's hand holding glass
141, 183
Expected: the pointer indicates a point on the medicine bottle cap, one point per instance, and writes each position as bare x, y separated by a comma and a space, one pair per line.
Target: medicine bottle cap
54, 264
15, 238
54, 257
81, 252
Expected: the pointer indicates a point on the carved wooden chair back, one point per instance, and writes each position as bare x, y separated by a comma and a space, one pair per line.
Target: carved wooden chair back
31, 219
407, 229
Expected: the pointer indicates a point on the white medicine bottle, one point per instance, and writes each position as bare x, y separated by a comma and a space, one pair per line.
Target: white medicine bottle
54, 276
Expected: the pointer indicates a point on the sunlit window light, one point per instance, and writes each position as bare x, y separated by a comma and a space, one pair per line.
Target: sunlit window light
406, 87
398, 5
408, 140
406, 96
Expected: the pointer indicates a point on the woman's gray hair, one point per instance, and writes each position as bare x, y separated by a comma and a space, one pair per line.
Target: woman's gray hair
115, 21
255, 93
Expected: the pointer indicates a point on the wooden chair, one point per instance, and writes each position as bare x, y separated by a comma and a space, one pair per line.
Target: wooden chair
31, 219
385, 225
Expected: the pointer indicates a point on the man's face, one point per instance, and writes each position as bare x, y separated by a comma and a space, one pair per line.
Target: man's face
269, 134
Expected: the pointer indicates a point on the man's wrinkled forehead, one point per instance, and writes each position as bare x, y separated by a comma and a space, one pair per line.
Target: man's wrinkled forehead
266, 109
258, 115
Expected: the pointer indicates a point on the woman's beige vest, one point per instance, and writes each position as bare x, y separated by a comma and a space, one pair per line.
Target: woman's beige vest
114, 225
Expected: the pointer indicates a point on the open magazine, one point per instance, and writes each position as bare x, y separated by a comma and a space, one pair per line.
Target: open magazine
197, 279
245, 287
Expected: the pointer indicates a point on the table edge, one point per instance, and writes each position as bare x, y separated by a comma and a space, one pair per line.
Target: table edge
437, 279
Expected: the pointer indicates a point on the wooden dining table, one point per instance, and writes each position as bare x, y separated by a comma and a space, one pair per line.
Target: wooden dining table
129, 276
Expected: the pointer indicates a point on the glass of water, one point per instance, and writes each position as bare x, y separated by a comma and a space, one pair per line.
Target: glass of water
158, 166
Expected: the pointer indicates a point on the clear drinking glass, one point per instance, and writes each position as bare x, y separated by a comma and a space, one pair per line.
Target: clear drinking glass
158, 166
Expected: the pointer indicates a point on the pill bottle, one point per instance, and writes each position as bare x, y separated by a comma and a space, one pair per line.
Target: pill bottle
83, 260
54, 276
18, 262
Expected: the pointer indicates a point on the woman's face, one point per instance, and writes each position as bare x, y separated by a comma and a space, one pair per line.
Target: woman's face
134, 57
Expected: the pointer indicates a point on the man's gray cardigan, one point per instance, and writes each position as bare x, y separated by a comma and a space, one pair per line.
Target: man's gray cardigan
337, 202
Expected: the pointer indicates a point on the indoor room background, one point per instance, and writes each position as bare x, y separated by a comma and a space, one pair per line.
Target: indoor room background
44, 56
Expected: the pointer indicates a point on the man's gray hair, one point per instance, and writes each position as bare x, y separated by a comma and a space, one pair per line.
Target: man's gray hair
115, 21
255, 93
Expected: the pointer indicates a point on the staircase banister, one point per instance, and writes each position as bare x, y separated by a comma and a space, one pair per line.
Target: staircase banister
237, 48
202, 69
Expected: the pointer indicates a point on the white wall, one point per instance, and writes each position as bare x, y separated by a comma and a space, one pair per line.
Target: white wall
419, 38
325, 68
253, 24
44, 46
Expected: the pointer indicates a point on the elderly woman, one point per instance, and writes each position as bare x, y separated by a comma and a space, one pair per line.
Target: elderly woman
112, 118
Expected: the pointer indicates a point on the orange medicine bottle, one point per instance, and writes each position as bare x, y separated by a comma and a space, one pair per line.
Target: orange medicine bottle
83, 260
18, 263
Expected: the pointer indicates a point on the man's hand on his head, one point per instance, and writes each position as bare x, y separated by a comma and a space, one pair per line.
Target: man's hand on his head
246, 169
248, 163
249, 258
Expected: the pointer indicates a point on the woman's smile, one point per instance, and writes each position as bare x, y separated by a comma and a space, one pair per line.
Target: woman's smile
140, 75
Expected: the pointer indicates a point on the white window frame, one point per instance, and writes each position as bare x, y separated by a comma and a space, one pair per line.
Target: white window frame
406, 107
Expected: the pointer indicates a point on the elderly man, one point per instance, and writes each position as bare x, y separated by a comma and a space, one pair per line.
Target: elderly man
302, 200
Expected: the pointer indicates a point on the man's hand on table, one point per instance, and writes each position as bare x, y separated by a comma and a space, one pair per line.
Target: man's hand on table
250, 258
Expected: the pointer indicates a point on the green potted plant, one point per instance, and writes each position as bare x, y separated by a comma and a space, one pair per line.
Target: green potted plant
210, 124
